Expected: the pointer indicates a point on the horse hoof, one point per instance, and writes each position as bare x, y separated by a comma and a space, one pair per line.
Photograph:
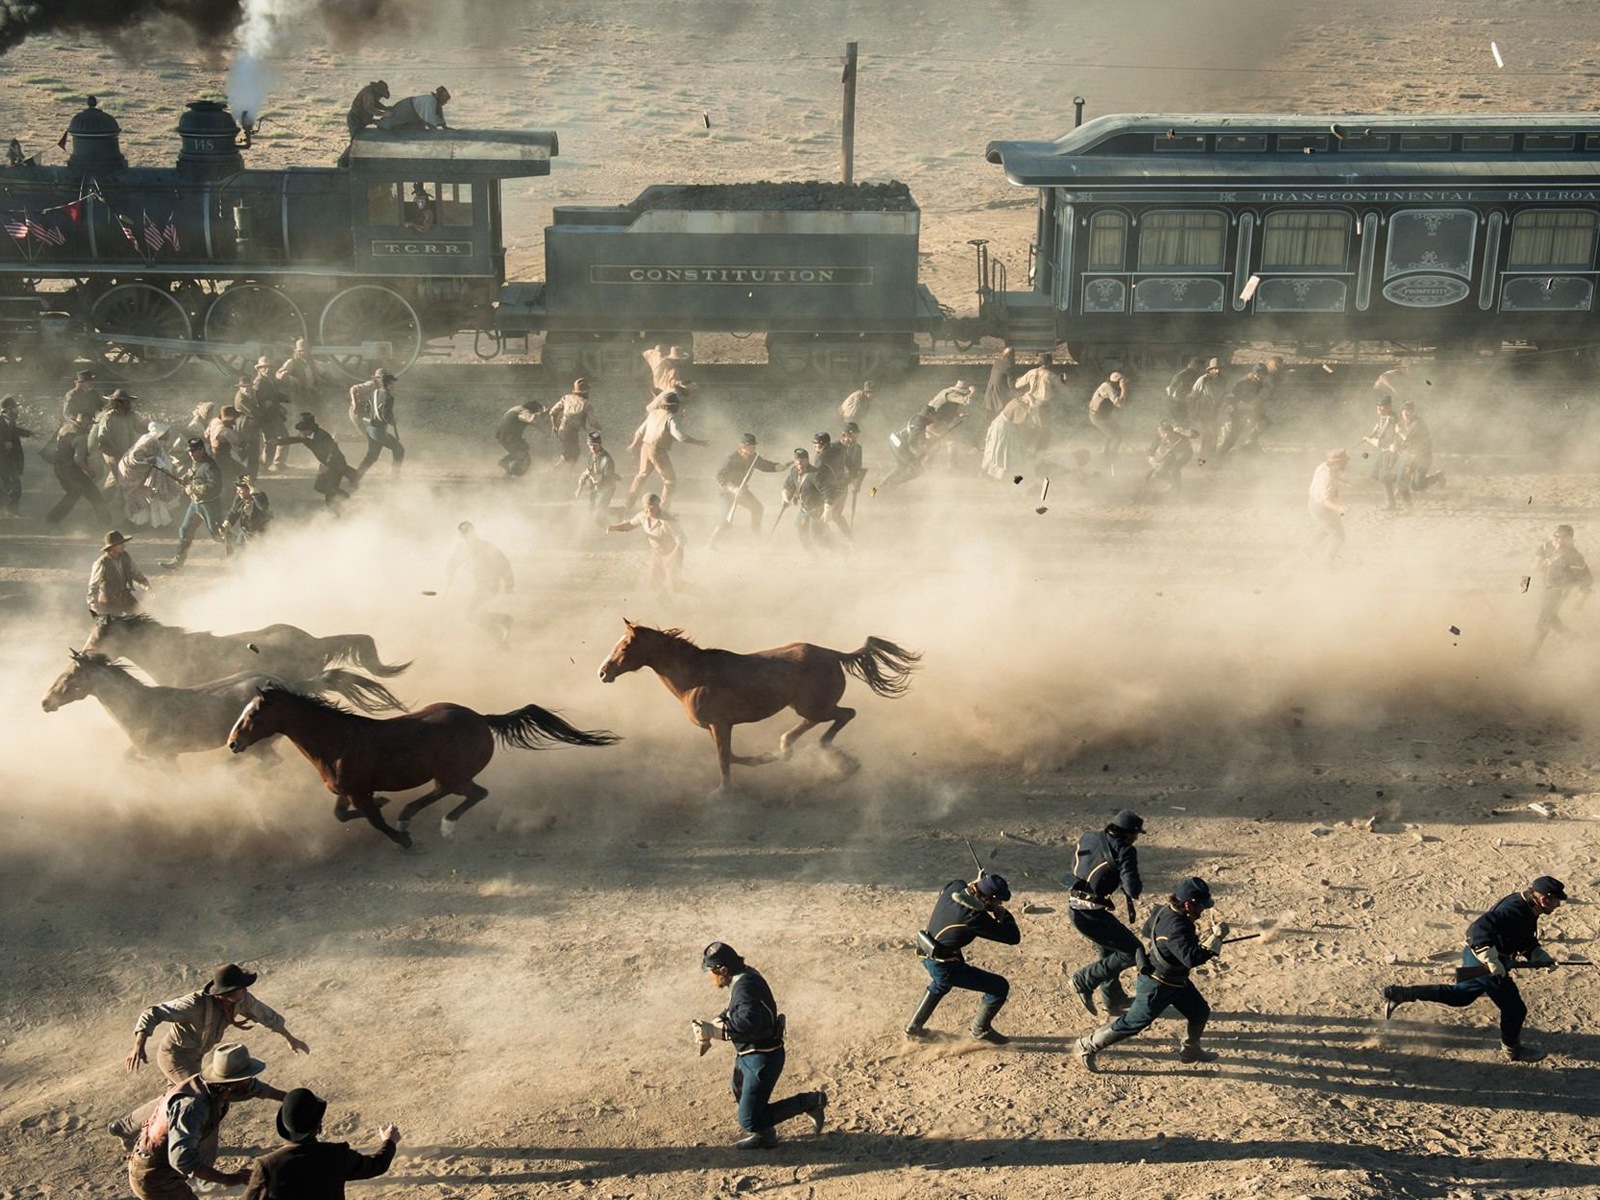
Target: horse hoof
447, 828
404, 841
403, 824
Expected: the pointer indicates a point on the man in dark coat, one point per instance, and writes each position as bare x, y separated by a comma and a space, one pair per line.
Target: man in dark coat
964, 913
11, 457
1106, 863
308, 1169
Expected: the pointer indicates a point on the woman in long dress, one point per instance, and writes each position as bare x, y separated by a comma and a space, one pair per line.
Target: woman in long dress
1005, 446
148, 494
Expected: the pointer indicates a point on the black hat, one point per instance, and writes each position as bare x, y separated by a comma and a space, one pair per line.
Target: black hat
720, 954
115, 538
851, 427
821, 439
594, 437
228, 977
306, 421
300, 1115
1129, 821
84, 376
1194, 890
1547, 885
8, 402
748, 439
994, 887
197, 443
801, 455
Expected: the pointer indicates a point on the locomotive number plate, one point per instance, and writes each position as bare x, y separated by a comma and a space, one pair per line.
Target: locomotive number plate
390, 249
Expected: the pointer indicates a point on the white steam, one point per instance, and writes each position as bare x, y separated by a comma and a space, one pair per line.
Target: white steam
262, 28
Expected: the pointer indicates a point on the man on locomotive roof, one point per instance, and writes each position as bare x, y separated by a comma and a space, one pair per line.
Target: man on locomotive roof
367, 107
417, 112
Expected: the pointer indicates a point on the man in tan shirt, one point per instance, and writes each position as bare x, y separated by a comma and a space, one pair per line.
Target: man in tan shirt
570, 418
653, 440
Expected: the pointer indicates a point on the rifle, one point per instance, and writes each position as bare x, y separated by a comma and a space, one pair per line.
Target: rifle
778, 520
975, 862
1243, 937
1465, 973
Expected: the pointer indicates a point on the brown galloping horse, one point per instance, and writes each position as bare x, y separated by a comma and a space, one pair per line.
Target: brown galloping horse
181, 658
720, 689
445, 744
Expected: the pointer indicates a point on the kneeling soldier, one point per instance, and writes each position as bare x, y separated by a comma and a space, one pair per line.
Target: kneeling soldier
1494, 940
1173, 949
965, 912
754, 1025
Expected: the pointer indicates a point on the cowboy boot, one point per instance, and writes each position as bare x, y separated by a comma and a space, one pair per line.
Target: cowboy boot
983, 1030
1190, 1051
920, 1017
1394, 995
1088, 1047
1519, 1053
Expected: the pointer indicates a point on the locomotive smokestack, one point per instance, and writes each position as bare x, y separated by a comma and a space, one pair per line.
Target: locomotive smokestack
96, 141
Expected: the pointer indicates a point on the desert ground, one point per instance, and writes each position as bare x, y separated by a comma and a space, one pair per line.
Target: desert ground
1349, 754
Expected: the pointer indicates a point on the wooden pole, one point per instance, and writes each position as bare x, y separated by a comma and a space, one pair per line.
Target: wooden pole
848, 145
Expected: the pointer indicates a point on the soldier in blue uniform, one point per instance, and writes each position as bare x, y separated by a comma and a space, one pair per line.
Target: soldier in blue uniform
1173, 948
1508, 931
1106, 863
754, 1025
964, 913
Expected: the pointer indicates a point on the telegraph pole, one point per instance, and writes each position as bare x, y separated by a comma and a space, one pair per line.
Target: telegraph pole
848, 145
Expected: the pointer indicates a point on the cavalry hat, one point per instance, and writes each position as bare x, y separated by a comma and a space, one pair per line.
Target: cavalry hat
821, 439
121, 395
720, 954
1547, 885
801, 455
851, 427
84, 376
594, 437
1194, 890
994, 887
1129, 820
581, 386
8, 402
230, 1062
115, 538
748, 439
196, 443
1564, 531
229, 976
300, 1115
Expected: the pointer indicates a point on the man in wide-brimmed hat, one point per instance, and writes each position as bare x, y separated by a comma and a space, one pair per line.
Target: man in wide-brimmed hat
309, 1169
178, 1140
335, 470
114, 577
669, 368
198, 1021
83, 397
570, 418
372, 412
116, 429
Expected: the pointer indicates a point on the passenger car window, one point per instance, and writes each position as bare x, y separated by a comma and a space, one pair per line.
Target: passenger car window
1314, 240
1194, 241
1541, 240
1108, 241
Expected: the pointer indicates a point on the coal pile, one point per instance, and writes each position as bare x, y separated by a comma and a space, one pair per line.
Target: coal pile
814, 196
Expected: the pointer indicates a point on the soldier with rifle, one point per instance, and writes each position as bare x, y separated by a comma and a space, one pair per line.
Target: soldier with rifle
1505, 937
854, 470
733, 477
1173, 948
965, 912
1106, 863
203, 485
833, 477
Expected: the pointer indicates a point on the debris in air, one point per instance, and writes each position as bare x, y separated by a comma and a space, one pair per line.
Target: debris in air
706, 117
1042, 509
252, 647
1498, 61
1526, 581
1455, 630
1044, 490
1016, 479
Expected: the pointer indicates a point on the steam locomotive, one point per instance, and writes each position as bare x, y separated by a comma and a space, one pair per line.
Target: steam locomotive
1156, 236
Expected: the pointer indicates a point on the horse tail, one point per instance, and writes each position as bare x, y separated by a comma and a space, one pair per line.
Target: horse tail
360, 649
882, 666
366, 694
532, 727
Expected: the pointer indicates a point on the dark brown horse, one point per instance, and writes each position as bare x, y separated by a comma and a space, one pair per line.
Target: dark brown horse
181, 658
720, 689
163, 722
445, 744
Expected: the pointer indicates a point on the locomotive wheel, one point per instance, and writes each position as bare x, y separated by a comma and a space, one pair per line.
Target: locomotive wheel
139, 310
251, 313
370, 313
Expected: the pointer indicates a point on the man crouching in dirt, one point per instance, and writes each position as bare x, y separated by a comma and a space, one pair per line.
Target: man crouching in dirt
1173, 948
963, 913
754, 1025
178, 1142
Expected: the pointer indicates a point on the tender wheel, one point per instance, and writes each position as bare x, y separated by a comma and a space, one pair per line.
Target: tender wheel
128, 313
253, 315
370, 313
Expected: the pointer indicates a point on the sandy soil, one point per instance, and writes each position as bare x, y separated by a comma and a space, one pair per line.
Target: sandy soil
517, 1000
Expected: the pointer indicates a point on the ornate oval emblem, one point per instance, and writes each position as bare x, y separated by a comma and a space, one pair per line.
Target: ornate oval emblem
1426, 291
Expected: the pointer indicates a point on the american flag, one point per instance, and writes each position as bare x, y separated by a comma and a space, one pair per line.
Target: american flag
22, 227
157, 236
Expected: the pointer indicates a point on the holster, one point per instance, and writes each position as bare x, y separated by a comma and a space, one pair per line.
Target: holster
926, 946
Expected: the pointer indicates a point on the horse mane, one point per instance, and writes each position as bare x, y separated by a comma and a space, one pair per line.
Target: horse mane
313, 701
140, 621
95, 659
674, 634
